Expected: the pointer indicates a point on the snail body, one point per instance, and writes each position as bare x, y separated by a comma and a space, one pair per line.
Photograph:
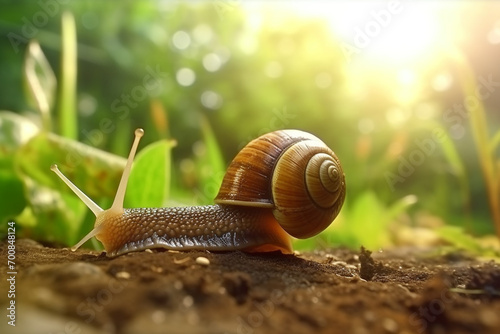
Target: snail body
284, 183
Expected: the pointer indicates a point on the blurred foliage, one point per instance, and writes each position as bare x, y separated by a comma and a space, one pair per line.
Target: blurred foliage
203, 79
486, 143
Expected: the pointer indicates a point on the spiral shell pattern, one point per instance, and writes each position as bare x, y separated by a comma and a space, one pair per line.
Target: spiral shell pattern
291, 172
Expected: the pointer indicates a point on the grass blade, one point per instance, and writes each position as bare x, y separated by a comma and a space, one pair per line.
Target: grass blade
495, 142
214, 154
67, 95
480, 133
210, 165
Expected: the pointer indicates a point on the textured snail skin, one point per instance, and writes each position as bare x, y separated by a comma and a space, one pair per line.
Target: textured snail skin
285, 183
211, 227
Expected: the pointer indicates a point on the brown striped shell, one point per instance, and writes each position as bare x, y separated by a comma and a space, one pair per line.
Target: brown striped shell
292, 172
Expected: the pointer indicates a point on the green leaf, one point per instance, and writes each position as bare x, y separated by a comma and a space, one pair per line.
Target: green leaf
96, 172
12, 195
149, 181
58, 214
54, 212
15, 131
41, 82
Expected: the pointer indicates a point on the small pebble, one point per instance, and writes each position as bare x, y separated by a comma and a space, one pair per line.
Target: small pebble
390, 325
158, 316
192, 318
344, 264
187, 301
489, 318
407, 291
178, 285
157, 269
359, 329
122, 274
202, 261
47, 299
370, 316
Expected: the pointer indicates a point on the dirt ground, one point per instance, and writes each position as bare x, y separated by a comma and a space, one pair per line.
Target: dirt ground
332, 291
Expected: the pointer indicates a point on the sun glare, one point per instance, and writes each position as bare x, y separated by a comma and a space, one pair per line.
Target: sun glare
414, 36
394, 33
384, 43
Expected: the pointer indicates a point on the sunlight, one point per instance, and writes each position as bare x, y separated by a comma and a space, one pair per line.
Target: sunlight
413, 35
388, 42
391, 33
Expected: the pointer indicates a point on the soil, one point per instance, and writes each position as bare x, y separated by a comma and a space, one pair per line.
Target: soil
327, 291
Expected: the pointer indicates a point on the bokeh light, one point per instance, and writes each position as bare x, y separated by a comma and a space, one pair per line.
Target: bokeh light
212, 62
185, 76
181, 40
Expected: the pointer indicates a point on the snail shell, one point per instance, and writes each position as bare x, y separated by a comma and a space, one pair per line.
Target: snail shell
292, 172
287, 181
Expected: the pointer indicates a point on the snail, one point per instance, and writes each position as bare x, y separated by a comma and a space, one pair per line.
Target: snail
284, 183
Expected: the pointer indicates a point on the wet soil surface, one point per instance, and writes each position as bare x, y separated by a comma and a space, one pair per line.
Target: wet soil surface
330, 291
